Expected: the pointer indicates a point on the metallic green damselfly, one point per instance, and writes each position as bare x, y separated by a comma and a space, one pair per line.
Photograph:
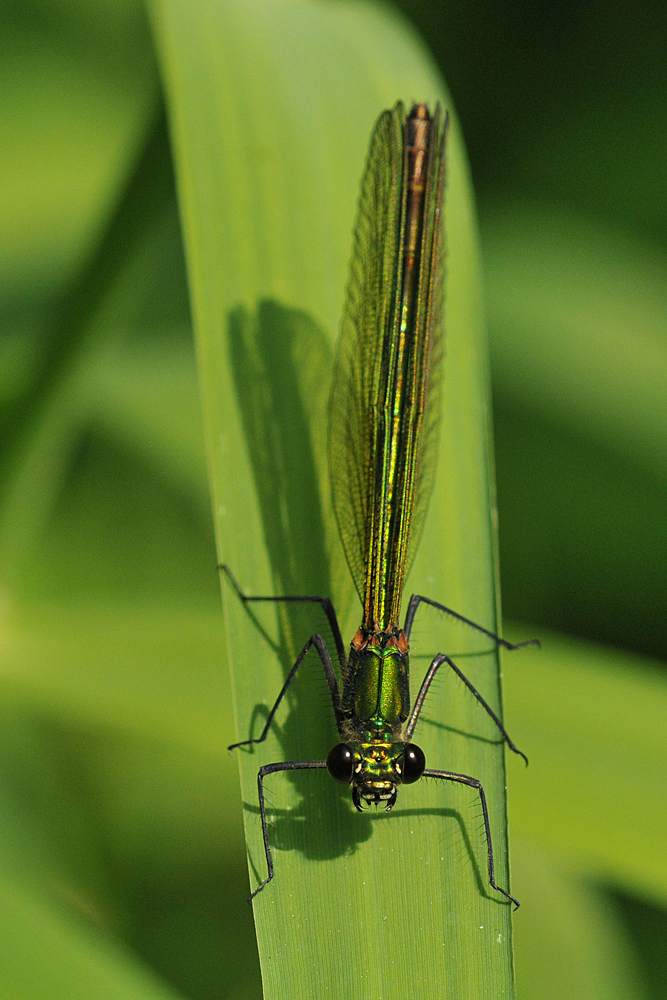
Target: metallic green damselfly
383, 428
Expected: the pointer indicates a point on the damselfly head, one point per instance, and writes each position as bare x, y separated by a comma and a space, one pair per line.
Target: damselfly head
375, 770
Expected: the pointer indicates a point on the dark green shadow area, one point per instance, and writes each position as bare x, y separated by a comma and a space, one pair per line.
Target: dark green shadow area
281, 363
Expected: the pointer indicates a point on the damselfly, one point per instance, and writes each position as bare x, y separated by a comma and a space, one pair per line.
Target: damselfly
383, 425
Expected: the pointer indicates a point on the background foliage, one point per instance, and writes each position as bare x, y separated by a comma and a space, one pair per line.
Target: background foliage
122, 866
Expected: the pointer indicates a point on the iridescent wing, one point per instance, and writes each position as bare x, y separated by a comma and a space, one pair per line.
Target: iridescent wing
369, 307
384, 402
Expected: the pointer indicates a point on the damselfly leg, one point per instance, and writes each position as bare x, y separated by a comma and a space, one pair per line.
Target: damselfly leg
324, 602
418, 599
463, 779
423, 691
286, 765
318, 642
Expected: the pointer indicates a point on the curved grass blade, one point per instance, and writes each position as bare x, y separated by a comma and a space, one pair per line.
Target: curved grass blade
271, 107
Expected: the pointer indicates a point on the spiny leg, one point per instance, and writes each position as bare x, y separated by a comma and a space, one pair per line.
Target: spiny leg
423, 691
474, 783
318, 642
324, 602
287, 765
418, 599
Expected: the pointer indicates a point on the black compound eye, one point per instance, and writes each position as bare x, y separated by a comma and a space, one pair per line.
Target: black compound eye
340, 763
414, 763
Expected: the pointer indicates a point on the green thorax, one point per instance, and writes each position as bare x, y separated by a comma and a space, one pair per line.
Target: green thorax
376, 691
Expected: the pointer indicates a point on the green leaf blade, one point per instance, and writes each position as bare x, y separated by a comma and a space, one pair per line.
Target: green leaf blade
272, 106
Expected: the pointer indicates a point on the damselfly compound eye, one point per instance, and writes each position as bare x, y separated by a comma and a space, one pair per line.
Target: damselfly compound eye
340, 763
414, 763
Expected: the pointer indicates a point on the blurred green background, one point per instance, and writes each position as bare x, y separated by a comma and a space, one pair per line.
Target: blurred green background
122, 867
